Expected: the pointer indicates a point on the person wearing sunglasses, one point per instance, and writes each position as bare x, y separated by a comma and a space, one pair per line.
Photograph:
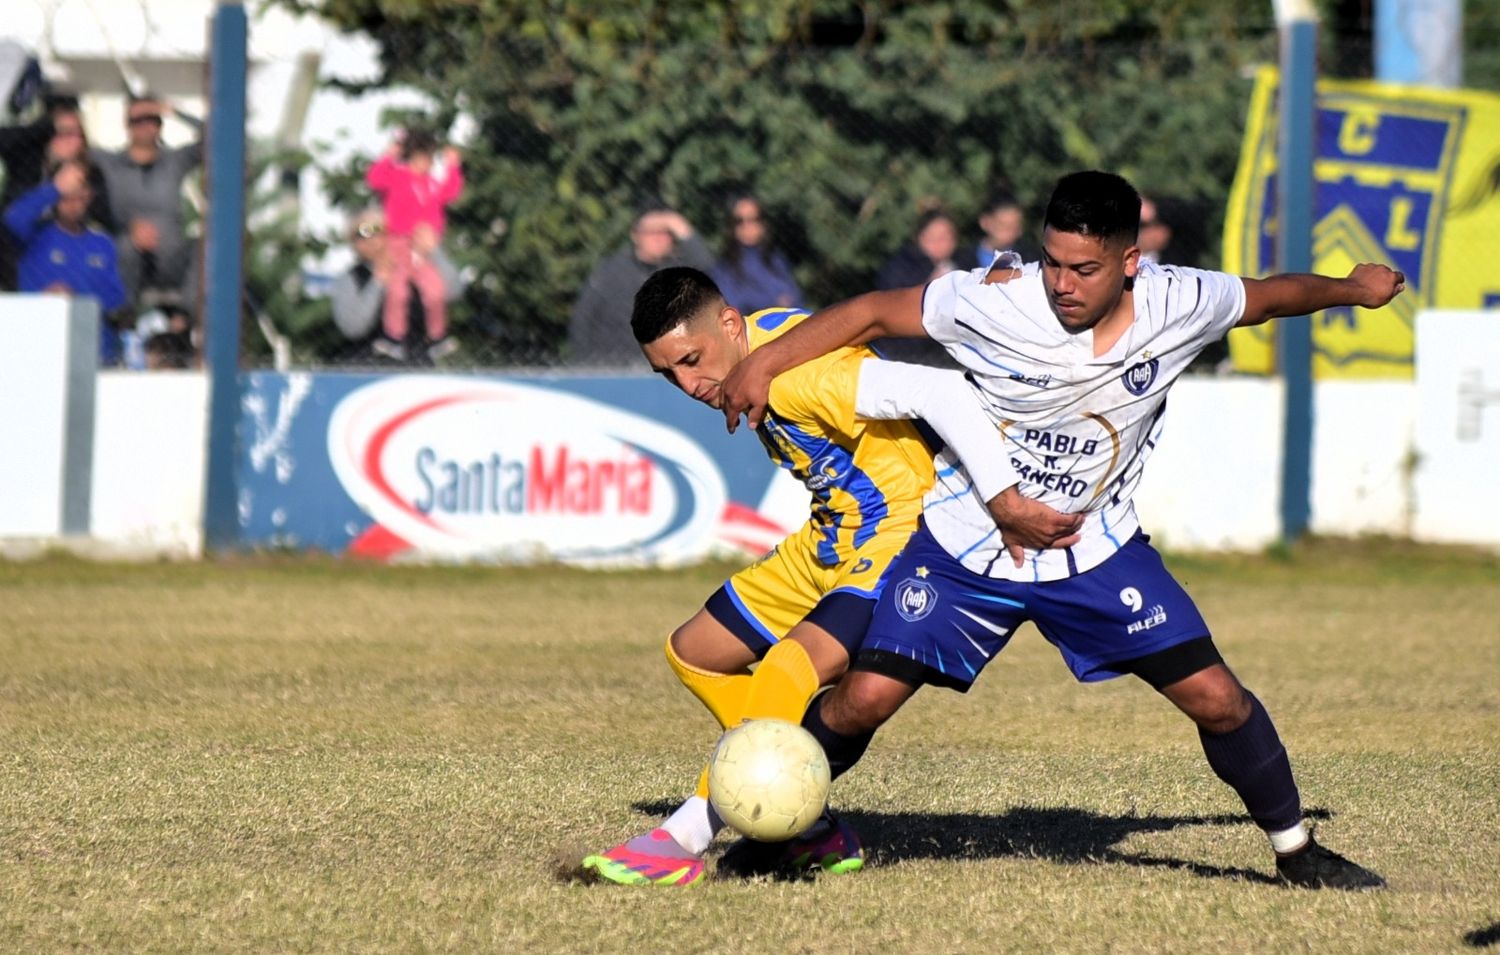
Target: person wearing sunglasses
752, 272
144, 181
359, 294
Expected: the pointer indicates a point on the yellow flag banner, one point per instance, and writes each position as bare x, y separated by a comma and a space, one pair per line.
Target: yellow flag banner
1403, 175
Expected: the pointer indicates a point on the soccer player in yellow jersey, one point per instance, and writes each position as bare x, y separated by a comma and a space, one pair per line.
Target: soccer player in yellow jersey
802, 610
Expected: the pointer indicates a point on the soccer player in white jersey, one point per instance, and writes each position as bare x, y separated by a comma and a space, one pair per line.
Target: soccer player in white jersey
1074, 361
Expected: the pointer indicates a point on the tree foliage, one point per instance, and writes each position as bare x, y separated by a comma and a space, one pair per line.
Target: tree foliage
845, 118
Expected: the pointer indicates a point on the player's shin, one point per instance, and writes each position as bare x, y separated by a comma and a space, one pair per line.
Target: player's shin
783, 683
843, 751
1253, 761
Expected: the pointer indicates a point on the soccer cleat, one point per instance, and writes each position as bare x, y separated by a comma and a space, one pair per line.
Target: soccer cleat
831, 845
1314, 867
652, 859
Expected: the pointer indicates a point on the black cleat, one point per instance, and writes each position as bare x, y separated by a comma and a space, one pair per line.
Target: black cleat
1314, 867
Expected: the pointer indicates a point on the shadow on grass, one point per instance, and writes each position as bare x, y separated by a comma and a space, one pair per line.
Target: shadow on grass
1483, 937
1065, 835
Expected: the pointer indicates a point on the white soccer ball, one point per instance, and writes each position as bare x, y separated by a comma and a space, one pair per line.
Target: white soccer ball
768, 779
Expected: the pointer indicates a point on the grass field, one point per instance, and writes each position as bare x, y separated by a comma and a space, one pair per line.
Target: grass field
286, 755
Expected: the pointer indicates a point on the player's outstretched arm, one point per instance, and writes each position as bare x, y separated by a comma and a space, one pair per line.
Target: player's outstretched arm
747, 389
1279, 296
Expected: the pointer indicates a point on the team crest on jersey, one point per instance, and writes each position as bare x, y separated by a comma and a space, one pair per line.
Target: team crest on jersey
823, 472
1138, 377
915, 599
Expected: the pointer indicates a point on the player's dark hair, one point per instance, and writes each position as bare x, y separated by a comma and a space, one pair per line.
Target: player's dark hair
1093, 203
671, 297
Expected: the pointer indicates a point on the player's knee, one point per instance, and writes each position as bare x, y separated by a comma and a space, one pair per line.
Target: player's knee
705, 645
860, 704
1222, 709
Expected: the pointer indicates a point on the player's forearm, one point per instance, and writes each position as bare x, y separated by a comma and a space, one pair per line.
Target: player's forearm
890, 389
853, 322
1298, 293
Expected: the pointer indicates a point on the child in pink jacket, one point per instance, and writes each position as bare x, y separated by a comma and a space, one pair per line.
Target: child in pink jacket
414, 220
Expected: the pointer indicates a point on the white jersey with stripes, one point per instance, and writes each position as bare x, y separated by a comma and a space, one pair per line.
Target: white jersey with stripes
1079, 428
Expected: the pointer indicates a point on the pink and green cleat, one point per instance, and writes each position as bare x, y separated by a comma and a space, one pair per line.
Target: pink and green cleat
831, 845
652, 859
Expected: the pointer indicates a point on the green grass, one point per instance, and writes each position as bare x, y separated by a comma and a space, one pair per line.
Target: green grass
297, 755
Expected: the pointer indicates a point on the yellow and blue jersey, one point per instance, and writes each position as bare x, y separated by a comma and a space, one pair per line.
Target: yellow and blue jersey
866, 477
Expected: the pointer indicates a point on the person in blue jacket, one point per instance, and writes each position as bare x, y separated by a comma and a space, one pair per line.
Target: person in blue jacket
752, 273
62, 252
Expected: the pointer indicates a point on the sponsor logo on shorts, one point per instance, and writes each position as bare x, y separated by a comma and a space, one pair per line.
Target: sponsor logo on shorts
1138, 377
915, 599
1155, 617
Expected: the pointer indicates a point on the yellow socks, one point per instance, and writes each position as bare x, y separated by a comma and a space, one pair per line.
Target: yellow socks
723, 693
783, 684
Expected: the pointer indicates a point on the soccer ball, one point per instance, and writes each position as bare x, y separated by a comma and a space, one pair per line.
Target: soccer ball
768, 779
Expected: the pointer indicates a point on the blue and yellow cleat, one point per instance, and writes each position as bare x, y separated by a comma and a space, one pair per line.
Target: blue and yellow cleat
652, 859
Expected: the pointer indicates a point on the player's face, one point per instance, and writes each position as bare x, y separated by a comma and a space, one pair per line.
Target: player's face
1084, 276
697, 356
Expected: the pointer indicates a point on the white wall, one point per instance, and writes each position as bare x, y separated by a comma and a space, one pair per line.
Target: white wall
149, 457
1457, 467
46, 374
1362, 447
1212, 483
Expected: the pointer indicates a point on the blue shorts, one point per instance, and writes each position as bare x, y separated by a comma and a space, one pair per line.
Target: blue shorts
938, 622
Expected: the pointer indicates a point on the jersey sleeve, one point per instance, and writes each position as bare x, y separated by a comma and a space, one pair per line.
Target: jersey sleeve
940, 305
945, 400
1215, 302
821, 392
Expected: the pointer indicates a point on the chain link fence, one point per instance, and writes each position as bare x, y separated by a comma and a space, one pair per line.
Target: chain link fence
803, 177
440, 190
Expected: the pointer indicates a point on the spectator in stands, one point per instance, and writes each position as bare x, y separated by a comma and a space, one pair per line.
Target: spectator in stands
145, 196
599, 328
1003, 224
61, 252
752, 272
359, 294
414, 199
1155, 234
28, 152
933, 251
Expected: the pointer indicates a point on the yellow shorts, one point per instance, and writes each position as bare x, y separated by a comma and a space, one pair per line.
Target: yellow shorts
765, 600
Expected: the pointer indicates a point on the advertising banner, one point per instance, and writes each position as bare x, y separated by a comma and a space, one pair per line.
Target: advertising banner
1405, 176
593, 471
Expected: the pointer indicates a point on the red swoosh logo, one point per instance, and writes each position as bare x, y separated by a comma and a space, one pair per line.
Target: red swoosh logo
378, 440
